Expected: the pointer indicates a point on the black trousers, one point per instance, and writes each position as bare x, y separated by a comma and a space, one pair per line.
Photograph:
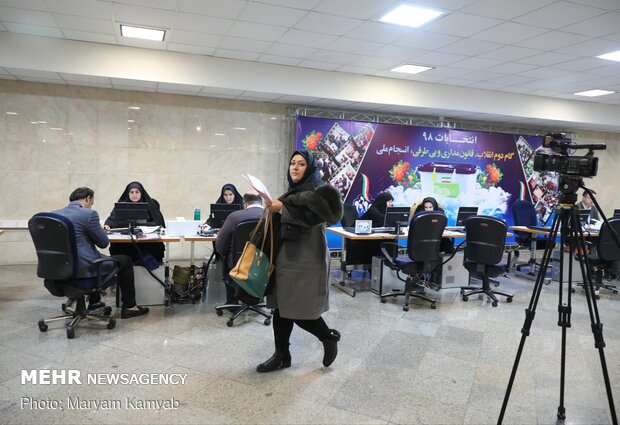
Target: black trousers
283, 327
125, 282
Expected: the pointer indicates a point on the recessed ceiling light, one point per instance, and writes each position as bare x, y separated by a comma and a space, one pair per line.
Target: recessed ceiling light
42, 122
56, 128
411, 69
613, 56
130, 120
593, 93
135, 108
219, 134
273, 118
410, 16
239, 128
143, 33
11, 113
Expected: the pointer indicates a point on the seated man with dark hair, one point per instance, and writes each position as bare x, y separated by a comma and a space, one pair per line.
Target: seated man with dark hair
253, 208
88, 236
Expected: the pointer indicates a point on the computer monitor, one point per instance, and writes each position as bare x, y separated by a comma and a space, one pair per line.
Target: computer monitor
395, 215
131, 214
219, 212
464, 213
616, 214
584, 216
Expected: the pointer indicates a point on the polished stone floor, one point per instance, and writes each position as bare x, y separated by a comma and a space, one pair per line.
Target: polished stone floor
445, 366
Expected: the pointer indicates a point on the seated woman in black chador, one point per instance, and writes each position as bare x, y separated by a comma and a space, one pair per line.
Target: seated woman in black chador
229, 195
376, 212
431, 204
135, 192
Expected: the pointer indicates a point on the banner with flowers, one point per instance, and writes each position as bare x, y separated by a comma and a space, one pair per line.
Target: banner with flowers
457, 167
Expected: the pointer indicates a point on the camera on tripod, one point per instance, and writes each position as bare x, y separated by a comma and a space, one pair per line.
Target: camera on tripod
563, 162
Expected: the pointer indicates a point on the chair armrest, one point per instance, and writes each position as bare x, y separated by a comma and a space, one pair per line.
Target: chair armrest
390, 261
99, 262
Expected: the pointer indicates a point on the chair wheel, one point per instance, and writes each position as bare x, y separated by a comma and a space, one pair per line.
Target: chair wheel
597, 296
613, 291
70, 333
383, 300
230, 323
509, 299
107, 311
405, 308
572, 290
219, 312
63, 306
433, 306
465, 297
111, 323
42, 326
167, 303
462, 291
267, 322
494, 303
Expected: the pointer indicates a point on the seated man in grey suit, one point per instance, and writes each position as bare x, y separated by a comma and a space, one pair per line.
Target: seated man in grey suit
253, 208
88, 233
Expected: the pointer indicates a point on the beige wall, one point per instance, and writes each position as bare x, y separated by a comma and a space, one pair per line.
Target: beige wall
180, 166
171, 148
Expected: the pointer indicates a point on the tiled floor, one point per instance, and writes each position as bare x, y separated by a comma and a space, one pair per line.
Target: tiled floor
445, 366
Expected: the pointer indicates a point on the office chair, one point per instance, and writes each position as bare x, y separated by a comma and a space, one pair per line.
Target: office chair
423, 255
606, 261
54, 240
241, 235
484, 249
524, 214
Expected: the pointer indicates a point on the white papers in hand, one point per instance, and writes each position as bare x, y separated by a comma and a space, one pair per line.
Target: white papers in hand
258, 186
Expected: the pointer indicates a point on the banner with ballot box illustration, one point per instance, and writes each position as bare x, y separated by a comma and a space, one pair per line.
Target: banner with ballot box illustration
457, 167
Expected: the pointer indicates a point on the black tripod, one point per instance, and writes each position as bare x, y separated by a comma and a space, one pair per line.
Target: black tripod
567, 223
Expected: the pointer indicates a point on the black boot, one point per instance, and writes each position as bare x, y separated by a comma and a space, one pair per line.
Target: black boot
330, 345
280, 360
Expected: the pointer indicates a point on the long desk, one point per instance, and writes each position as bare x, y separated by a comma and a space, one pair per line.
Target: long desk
192, 240
372, 237
1, 231
532, 270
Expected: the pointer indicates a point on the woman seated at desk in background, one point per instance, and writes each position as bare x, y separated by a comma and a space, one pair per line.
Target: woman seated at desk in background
431, 204
228, 195
134, 192
376, 212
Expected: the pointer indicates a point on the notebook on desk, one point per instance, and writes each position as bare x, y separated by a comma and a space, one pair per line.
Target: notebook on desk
541, 228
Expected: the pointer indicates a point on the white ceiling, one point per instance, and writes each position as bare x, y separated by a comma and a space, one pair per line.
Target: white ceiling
539, 48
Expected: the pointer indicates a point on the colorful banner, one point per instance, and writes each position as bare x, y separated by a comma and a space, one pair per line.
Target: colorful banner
457, 167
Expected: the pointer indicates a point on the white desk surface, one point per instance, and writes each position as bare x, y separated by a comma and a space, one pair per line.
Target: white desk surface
150, 237
385, 236
13, 224
525, 229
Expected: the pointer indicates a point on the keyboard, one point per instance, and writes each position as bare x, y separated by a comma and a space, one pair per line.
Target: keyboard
383, 230
455, 228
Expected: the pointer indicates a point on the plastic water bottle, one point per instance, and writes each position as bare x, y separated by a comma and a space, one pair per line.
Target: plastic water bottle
196, 213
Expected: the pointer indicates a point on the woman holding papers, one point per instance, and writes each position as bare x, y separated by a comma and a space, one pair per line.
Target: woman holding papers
300, 294
135, 192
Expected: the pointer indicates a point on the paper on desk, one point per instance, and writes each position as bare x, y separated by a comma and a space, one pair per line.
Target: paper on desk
258, 186
149, 229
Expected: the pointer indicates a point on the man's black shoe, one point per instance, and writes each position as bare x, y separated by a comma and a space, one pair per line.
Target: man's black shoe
128, 313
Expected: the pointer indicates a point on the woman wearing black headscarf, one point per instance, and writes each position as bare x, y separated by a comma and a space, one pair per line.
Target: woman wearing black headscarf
229, 195
301, 294
135, 192
376, 212
431, 204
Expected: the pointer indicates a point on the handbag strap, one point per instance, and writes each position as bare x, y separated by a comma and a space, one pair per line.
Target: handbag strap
268, 226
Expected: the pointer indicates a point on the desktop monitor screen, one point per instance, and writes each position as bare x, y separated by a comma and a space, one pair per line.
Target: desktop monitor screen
131, 213
616, 213
219, 212
395, 215
464, 213
584, 216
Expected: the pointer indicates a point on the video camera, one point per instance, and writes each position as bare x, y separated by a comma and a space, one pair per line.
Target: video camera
563, 162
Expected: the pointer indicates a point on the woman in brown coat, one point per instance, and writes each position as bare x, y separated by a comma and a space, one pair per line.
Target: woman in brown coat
301, 293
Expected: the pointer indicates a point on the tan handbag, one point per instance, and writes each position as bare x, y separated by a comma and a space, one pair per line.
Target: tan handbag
254, 267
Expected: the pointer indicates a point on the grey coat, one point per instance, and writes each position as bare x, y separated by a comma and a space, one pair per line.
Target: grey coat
302, 265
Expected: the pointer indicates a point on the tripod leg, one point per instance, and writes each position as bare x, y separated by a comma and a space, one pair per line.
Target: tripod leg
530, 311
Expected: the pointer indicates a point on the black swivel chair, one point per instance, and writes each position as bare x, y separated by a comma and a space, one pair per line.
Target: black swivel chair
54, 240
484, 249
423, 255
241, 235
606, 261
